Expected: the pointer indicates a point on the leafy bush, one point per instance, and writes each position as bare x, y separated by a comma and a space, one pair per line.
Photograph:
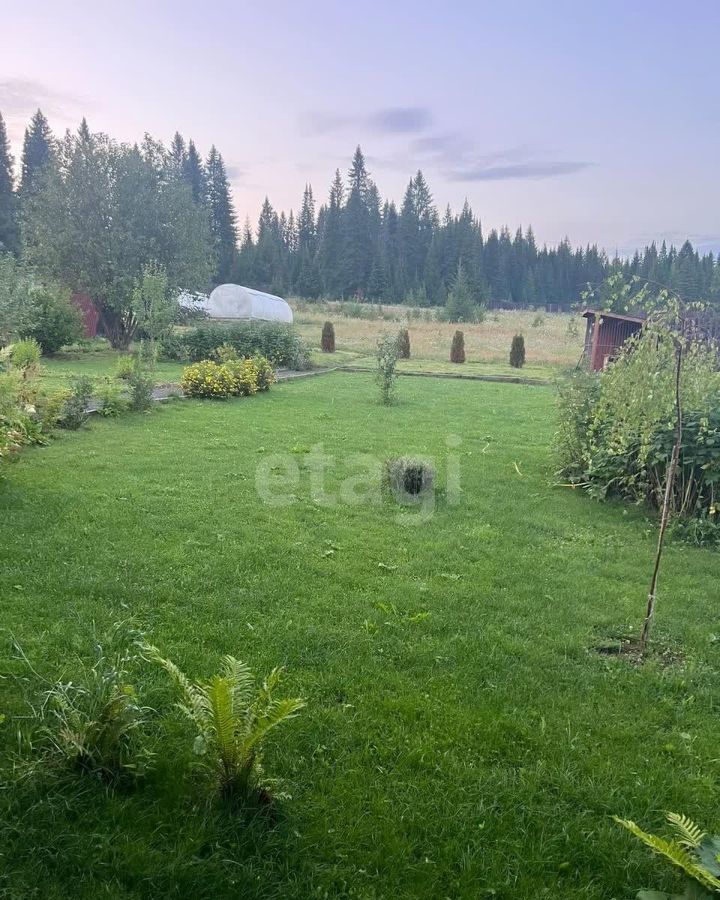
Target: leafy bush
386, 357
141, 385
207, 379
91, 724
457, 348
57, 321
403, 340
110, 399
617, 429
74, 413
275, 340
24, 354
244, 376
327, 341
232, 719
226, 353
174, 348
124, 367
265, 372
517, 352
695, 853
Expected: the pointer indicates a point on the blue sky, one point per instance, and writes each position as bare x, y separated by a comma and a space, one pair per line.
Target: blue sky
596, 120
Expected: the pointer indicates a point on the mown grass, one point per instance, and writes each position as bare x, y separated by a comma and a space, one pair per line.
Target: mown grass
476, 751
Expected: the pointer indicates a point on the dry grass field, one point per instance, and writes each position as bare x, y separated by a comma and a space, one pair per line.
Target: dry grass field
551, 339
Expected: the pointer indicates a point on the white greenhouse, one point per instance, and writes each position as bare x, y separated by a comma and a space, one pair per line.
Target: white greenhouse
232, 301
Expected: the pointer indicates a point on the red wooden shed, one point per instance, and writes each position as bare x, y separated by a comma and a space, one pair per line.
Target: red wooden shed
90, 314
605, 334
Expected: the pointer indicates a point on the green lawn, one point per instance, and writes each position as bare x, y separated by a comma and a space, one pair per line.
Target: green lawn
478, 751
57, 370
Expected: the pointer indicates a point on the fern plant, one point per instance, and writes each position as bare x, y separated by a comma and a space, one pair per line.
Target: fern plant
691, 850
232, 719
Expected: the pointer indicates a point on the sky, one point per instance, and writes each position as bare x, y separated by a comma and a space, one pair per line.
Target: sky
595, 120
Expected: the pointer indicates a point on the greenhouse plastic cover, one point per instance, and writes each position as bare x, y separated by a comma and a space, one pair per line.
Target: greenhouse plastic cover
232, 301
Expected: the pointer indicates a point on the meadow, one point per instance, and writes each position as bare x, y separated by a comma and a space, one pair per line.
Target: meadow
462, 737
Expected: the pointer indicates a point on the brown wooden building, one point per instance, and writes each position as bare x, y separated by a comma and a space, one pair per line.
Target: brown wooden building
606, 332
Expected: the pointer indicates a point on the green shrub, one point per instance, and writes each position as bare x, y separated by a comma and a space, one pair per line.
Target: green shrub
275, 340
74, 413
57, 321
111, 402
244, 376
174, 348
207, 379
457, 348
231, 719
327, 342
124, 368
386, 357
617, 429
404, 343
24, 354
226, 353
141, 385
517, 352
265, 372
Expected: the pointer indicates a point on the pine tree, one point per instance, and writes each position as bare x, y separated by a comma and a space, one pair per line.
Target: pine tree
356, 229
37, 151
178, 156
307, 235
222, 215
460, 304
9, 236
331, 240
194, 174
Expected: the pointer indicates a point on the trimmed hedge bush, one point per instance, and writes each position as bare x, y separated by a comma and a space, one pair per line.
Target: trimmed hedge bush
327, 341
404, 343
457, 349
517, 352
276, 341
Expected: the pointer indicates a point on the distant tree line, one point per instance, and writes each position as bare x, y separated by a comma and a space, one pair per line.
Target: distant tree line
168, 205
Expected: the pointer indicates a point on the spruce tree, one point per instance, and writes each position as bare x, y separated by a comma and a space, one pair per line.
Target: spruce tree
9, 237
331, 240
178, 156
460, 303
194, 174
37, 151
222, 215
357, 232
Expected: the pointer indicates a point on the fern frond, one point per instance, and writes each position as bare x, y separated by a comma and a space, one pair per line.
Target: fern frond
223, 720
689, 834
275, 712
196, 705
674, 852
242, 680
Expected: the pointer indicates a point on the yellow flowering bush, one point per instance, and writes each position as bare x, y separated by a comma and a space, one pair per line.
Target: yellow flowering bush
265, 372
207, 379
232, 378
244, 374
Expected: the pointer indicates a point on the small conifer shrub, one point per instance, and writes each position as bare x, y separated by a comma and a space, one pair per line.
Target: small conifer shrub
457, 350
404, 344
517, 352
328, 338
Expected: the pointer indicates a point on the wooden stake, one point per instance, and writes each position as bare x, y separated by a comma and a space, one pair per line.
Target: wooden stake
667, 502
